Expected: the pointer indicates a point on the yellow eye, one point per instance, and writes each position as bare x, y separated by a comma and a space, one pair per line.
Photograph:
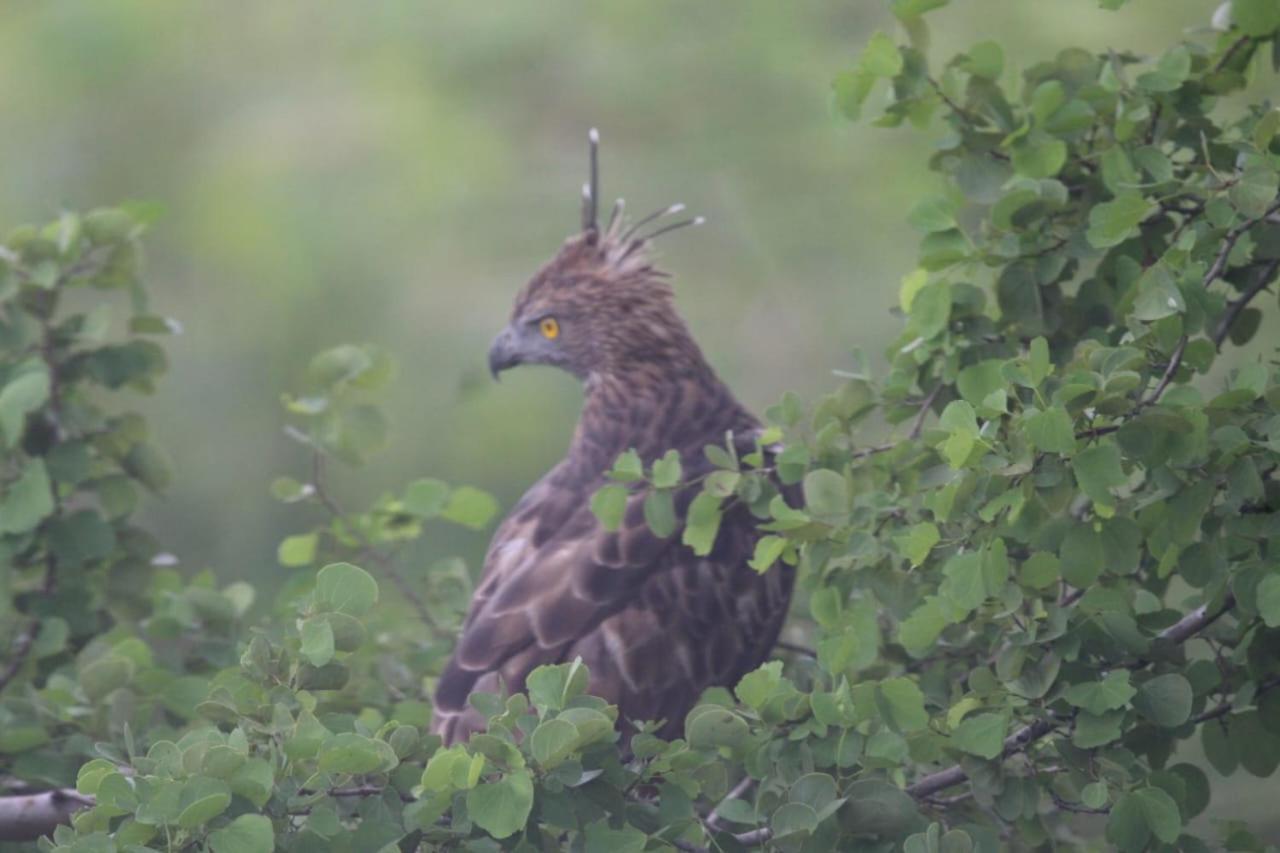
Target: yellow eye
549, 327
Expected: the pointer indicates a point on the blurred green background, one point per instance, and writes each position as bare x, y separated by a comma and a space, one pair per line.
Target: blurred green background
392, 172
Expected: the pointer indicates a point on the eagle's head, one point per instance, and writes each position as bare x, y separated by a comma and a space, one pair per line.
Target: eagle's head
599, 306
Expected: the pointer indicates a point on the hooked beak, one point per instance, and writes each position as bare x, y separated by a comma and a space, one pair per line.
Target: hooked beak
503, 352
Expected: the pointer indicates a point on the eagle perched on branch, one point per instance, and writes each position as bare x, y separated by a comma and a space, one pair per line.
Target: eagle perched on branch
655, 623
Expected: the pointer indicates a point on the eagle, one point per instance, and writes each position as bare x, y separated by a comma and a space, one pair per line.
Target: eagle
655, 623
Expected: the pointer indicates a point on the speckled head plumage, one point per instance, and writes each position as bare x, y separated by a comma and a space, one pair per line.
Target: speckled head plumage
600, 303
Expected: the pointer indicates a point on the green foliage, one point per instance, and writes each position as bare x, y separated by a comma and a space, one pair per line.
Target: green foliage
1019, 612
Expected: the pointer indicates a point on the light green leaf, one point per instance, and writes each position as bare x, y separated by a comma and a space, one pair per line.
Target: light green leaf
881, 58
317, 641
346, 589
702, 523
470, 507
1109, 693
902, 704
1050, 430
1098, 470
826, 494
918, 541
26, 392
426, 498
1165, 700
501, 808
297, 550
1113, 222
667, 470
981, 735
609, 504
1268, 600
28, 501
249, 833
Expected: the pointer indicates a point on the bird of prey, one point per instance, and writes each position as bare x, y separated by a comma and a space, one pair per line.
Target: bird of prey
654, 623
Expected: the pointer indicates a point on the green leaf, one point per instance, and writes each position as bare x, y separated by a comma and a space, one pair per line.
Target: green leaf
501, 808
1256, 18
1109, 693
826, 494
553, 687
552, 741
881, 58
985, 59
757, 686
1082, 555
349, 752
767, 551
918, 541
793, 819
1039, 156
902, 704
1158, 296
931, 214
1170, 71
28, 501
317, 641
981, 735
1165, 700
255, 781
931, 309
426, 498
702, 523
202, 800
905, 10
963, 584
609, 504
715, 726
1040, 571
1127, 826
346, 589
1094, 730
1268, 600
1113, 222
1050, 430
628, 467
660, 512
667, 470
81, 537
1160, 813
26, 392
1098, 470
297, 550
249, 833
470, 507
1255, 191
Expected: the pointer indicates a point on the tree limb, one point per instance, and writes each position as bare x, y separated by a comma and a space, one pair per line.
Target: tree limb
27, 817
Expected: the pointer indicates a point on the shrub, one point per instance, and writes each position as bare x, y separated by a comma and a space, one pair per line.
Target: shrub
1009, 620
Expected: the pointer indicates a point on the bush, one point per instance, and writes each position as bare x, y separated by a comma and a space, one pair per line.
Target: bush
1009, 620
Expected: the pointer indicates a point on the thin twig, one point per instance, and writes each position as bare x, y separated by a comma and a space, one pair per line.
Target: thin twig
368, 548
1185, 628
21, 648
1237, 305
712, 820
1229, 243
1175, 360
917, 425
1230, 52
